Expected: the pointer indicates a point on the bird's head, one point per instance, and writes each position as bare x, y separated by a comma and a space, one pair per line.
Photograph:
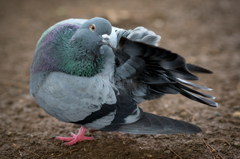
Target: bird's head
72, 49
91, 36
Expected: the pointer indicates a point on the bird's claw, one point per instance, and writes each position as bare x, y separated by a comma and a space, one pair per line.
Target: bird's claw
75, 138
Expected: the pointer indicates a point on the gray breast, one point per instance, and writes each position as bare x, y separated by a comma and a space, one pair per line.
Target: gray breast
71, 98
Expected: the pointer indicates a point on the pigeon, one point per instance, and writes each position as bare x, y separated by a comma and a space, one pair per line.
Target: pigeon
92, 74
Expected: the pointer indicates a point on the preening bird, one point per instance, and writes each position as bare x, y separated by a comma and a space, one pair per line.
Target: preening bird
94, 75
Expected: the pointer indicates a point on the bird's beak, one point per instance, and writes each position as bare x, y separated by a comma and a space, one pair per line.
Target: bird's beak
106, 40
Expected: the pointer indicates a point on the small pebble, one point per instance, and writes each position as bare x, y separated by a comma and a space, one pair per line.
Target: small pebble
236, 115
217, 114
149, 156
154, 112
183, 114
236, 143
208, 132
9, 133
167, 151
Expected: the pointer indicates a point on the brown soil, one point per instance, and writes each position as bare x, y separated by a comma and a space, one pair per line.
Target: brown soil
206, 32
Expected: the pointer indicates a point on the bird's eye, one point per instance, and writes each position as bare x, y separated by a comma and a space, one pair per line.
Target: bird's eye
92, 27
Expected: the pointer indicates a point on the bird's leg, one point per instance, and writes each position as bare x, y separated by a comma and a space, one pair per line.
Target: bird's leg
75, 138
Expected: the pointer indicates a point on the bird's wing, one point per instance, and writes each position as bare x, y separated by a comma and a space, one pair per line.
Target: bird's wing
127, 112
149, 72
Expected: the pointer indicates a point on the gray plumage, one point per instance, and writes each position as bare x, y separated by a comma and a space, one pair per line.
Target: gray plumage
107, 97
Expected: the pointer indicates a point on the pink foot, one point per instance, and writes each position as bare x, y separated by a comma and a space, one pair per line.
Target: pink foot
75, 138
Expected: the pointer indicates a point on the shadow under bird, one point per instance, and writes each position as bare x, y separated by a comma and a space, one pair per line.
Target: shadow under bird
91, 74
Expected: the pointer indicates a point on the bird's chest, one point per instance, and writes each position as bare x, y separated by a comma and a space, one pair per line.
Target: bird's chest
72, 98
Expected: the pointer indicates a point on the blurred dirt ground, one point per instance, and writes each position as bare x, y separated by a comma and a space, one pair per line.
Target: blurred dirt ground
206, 32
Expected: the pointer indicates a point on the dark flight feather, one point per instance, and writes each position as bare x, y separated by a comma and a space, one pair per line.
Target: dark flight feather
197, 69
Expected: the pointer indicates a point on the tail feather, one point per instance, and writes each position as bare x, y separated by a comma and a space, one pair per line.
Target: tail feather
194, 85
153, 124
197, 69
187, 89
198, 98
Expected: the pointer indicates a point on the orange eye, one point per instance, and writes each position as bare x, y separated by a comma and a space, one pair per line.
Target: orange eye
92, 27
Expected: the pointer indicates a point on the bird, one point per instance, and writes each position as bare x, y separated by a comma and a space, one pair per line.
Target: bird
92, 74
